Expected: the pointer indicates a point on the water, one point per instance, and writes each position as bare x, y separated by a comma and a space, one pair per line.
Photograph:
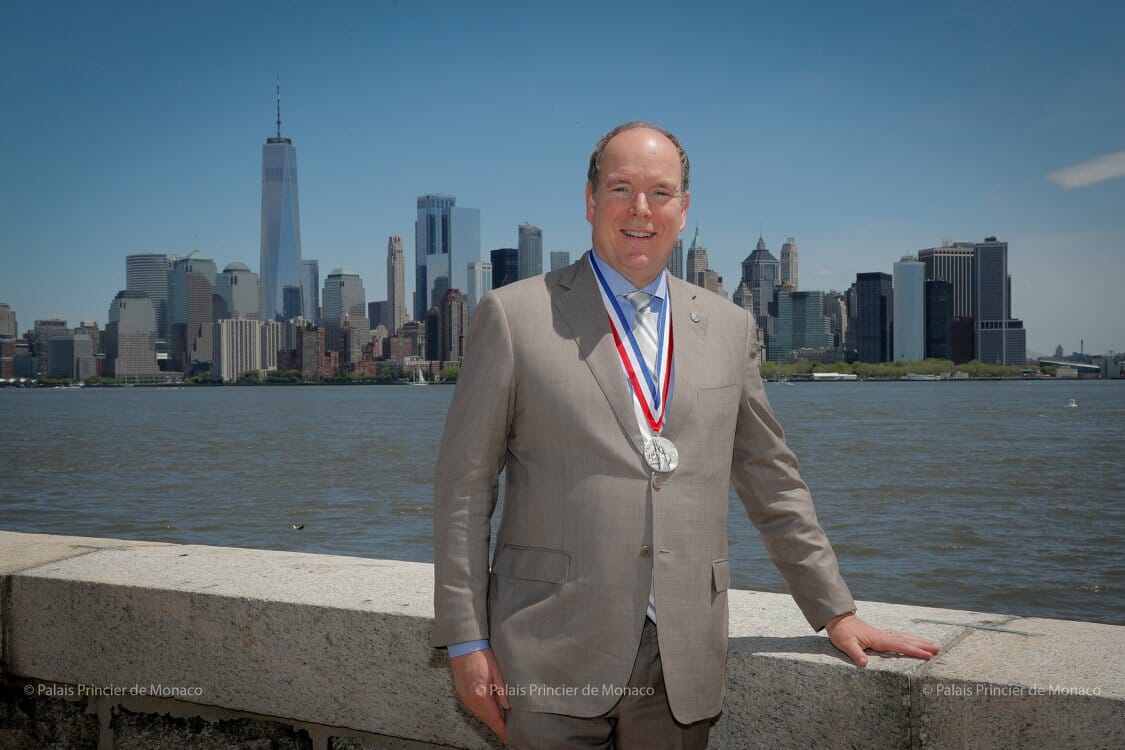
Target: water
988, 496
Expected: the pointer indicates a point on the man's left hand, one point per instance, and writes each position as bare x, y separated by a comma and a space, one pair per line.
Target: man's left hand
852, 635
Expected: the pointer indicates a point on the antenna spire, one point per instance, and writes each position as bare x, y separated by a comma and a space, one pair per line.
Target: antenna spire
278, 91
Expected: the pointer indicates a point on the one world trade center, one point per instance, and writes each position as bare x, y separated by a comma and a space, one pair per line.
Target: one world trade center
282, 296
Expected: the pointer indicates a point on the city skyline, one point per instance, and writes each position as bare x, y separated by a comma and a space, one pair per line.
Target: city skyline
861, 134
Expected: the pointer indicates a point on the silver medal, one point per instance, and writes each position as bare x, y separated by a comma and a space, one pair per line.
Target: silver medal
661, 454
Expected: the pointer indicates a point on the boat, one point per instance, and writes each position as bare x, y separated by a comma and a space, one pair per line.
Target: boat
418, 378
916, 376
1071, 403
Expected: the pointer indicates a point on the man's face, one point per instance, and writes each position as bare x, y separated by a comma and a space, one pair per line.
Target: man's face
637, 210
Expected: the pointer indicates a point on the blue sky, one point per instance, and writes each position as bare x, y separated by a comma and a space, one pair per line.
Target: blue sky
864, 130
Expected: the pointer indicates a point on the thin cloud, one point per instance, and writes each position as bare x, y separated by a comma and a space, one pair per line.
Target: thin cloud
1099, 169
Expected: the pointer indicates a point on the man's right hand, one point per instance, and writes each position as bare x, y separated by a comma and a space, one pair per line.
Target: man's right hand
481, 687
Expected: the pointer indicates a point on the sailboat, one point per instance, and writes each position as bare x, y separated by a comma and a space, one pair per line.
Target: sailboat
418, 379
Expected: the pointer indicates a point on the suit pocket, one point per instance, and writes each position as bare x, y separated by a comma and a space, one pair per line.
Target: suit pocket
720, 574
532, 564
723, 395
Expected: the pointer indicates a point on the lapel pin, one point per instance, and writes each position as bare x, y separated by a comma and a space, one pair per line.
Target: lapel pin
695, 317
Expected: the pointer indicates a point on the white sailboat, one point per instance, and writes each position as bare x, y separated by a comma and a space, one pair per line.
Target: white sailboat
418, 378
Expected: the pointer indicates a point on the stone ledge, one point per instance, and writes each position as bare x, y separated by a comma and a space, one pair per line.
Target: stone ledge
341, 642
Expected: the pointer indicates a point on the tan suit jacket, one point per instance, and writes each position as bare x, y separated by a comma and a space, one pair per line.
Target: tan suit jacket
585, 523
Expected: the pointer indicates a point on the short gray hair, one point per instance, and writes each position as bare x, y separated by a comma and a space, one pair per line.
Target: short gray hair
595, 169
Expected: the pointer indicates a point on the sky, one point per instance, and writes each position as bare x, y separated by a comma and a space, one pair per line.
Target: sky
866, 131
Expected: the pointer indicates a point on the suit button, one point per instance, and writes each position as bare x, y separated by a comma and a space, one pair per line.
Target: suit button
657, 481
646, 551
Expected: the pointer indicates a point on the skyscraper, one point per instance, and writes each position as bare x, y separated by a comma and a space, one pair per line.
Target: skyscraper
431, 237
675, 264
9, 329
454, 313
191, 312
396, 283
237, 286
789, 263
800, 324
237, 348
480, 283
531, 250
129, 341
280, 267
954, 263
939, 320
148, 273
909, 310
310, 289
697, 263
999, 339
559, 259
762, 273
345, 307
505, 266
874, 316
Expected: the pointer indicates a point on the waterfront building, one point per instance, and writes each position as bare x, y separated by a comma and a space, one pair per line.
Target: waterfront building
432, 322
90, 328
70, 356
953, 263
396, 284
237, 287
836, 310
675, 264
800, 324
280, 267
9, 328
479, 283
237, 348
310, 290
148, 273
345, 314
530, 247
505, 266
762, 273
129, 342
454, 314
191, 312
999, 339
270, 345
939, 320
559, 259
788, 263
41, 334
909, 310
874, 316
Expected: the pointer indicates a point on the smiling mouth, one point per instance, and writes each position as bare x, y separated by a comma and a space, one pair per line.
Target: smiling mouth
638, 234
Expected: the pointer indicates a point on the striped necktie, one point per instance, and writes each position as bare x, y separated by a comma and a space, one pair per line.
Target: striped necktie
644, 328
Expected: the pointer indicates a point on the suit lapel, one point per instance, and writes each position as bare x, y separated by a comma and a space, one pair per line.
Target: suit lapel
580, 305
689, 329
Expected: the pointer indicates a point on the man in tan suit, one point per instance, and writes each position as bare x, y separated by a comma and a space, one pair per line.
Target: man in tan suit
620, 420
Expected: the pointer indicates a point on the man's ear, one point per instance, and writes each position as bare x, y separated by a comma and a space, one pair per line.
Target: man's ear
590, 203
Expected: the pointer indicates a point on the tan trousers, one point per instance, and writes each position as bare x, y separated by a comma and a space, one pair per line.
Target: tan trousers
641, 720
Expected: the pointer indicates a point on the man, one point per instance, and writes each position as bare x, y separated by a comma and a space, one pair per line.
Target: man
621, 420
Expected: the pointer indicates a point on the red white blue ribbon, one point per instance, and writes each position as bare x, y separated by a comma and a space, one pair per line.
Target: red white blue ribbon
650, 389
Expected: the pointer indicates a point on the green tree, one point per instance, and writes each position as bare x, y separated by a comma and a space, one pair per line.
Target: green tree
449, 374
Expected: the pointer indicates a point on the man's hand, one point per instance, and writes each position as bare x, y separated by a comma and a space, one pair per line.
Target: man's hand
481, 687
852, 635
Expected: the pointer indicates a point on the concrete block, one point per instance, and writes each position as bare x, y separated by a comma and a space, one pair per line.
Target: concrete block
1035, 683
789, 687
331, 640
20, 551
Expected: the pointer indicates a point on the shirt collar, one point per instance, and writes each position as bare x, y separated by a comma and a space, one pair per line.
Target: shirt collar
620, 286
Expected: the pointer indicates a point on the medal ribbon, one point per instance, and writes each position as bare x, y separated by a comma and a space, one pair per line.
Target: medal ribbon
653, 395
